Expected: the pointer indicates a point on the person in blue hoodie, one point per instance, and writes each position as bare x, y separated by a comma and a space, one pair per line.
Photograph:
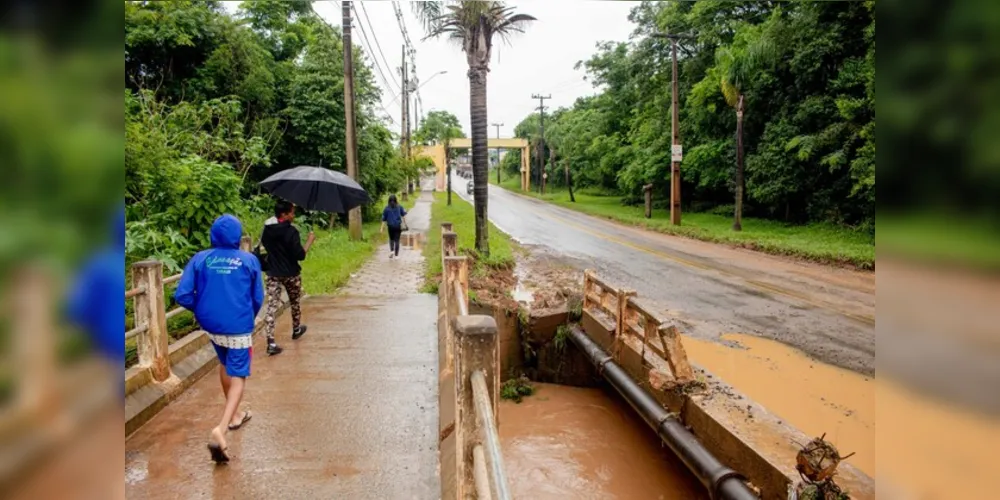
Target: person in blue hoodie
91, 304
223, 287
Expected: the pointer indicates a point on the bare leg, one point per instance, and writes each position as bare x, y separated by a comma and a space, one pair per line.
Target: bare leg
233, 398
225, 380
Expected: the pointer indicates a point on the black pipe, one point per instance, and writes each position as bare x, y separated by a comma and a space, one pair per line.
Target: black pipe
721, 481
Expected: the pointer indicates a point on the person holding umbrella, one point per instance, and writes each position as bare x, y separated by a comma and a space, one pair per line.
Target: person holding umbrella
311, 188
284, 249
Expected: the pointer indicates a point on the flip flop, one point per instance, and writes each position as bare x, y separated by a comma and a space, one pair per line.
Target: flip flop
218, 453
246, 418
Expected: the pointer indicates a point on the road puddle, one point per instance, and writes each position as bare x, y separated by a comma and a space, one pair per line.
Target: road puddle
567, 442
812, 396
413, 240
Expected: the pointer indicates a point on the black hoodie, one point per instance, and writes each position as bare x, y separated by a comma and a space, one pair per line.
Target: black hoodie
284, 249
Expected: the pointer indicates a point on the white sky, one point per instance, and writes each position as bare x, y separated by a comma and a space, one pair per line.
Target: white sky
539, 61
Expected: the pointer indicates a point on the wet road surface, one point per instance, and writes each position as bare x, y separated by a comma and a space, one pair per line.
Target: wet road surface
709, 289
347, 411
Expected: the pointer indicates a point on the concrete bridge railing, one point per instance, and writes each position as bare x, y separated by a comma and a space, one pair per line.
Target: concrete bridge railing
473, 357
150, 330
164, 369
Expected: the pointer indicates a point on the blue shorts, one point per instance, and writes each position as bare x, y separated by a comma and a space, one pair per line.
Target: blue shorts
236, 361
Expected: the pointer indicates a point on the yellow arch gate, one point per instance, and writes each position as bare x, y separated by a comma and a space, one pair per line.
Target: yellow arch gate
436, 153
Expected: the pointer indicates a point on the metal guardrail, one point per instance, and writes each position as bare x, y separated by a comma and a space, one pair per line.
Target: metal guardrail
491, 439
472, 356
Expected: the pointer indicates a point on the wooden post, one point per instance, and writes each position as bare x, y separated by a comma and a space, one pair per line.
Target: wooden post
446, 227
476, 338
153, 344
674, 351
245, 243
35, 341
648, 192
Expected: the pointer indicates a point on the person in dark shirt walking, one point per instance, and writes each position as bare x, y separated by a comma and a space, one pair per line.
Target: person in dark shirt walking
284, 252
393, 216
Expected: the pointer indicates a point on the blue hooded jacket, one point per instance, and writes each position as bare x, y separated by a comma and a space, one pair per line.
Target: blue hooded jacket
93, 302
223, 285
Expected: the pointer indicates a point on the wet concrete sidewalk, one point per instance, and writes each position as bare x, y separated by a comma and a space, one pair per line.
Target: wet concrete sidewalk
348, 411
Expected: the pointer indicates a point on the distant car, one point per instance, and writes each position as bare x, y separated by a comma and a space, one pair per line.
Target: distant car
469, 187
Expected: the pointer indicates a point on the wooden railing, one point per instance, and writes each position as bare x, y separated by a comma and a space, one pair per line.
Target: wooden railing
473, 358
637, 328
150, 331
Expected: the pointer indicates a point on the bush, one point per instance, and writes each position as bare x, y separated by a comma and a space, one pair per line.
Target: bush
516, 389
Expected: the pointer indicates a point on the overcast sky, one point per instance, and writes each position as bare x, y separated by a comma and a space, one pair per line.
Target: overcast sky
539, 61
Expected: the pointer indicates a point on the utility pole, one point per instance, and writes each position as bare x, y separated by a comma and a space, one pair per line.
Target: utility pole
404, 133
541, 139
354, 215
676, 152
498, 125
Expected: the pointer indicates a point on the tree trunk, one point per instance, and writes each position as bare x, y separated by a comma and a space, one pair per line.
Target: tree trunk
569, 181
480, 156
447, 167
738, 216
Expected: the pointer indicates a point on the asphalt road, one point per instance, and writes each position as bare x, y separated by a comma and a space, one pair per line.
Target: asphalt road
708, 289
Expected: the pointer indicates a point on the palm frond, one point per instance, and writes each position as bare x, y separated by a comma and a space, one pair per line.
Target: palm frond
429, 14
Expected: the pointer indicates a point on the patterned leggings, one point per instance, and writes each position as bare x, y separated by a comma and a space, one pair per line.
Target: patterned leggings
293, 286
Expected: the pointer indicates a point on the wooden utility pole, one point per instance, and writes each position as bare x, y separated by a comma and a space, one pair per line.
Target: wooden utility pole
354, 215
498, 125
676, 152
404, 132
541, 139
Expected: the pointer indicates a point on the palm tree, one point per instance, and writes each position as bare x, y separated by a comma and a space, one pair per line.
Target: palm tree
473, 25
738, 64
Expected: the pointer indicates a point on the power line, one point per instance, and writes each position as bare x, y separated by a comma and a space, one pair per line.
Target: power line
368, 44
321, 18
378, 45
411, 51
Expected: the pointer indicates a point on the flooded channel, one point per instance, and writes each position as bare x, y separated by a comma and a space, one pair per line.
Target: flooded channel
566, 442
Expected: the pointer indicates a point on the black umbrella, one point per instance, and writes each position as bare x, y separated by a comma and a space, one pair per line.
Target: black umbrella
317, 188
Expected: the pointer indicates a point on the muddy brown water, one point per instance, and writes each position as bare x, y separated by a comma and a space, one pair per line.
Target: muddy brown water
566, 442
818, 399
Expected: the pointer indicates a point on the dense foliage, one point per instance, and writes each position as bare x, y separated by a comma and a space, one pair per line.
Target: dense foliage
216, 101
809, 123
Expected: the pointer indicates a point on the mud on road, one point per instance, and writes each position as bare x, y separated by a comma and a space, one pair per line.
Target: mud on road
707, 289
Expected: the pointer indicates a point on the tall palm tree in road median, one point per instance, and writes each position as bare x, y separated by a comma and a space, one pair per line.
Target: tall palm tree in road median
473, 25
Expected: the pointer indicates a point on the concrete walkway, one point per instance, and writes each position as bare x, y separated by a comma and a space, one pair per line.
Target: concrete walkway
348, 411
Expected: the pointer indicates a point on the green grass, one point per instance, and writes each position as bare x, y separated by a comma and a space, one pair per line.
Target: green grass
462, 216
942, 238
824, 243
